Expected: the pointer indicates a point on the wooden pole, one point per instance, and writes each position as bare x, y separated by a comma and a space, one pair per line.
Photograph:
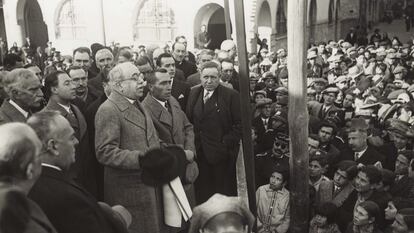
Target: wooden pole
227, 18
298, 116
102, 16
245, 104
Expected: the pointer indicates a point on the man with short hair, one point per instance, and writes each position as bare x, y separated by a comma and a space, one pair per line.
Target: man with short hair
104, 60
61, 89
80, 80
19, 170
205, 55
403, 186
82, 58
120, 147
203, 38
54, 191
25, 93
326, 133
327, 109
229, 76
214, 111
358, 149
171, 123
179, 88
366, 182
179, 51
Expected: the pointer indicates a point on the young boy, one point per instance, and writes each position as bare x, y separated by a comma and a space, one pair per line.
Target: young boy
273, 214
318, 164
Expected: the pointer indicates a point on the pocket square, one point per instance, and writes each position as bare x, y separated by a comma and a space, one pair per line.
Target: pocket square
181, 96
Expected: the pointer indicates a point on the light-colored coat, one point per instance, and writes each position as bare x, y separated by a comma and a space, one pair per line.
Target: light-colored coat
124, 132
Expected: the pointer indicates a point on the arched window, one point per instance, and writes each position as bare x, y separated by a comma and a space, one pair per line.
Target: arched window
331, 11
155, 22
281, 27
71, 21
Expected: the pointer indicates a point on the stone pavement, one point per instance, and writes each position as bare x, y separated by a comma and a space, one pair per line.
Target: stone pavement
396, 28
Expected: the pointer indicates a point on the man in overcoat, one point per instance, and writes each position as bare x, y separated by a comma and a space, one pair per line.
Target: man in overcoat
124, 132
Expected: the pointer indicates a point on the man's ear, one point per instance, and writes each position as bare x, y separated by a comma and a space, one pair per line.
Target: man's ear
30, 171
51, 147
410, 113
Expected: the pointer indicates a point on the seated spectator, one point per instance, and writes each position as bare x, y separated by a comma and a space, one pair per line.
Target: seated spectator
273, 211
68, 206
19, 170
222, 214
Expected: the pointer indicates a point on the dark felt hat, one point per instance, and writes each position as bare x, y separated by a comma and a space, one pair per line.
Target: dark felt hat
159, 166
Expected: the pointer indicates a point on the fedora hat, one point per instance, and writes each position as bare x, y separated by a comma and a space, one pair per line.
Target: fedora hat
159, 166
117, 216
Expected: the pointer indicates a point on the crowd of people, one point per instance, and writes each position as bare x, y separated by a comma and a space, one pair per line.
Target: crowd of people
122, 139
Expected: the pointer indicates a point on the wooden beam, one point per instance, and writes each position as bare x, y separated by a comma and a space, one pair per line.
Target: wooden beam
245, 104
298, 115
227, 18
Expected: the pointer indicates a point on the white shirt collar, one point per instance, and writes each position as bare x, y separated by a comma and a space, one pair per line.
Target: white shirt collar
209, 93
51, 166
130, 100
67, 108
360, 153
21, 110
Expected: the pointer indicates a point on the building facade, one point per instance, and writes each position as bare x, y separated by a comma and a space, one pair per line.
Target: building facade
72, 23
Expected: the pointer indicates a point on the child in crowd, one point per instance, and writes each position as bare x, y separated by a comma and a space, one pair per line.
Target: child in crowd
273, 214
324, 220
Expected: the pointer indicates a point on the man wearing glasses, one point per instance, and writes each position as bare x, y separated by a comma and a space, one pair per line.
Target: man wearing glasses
124, 132
24, 91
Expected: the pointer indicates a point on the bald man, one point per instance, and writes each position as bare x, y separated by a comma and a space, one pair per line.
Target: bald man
19, 170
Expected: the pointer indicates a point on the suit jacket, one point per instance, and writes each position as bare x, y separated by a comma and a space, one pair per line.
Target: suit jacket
403, 188
95, 88
315, 109
8, 113
124, 132
179, 75
370, 157
180, 91
194, 79
37, 221
69, 207
84, 169
172, 128
187, 67
217, 123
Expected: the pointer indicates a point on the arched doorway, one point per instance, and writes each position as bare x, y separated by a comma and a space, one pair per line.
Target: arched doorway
312, 20
264, 22
211, 15
30, 19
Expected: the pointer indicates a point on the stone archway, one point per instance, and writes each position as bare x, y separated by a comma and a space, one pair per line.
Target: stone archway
211, 15
32, 26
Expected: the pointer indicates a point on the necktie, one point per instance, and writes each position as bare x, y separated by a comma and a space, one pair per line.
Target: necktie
206, 96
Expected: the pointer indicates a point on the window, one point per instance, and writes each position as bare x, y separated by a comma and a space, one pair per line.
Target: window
71, 22
155, 22
281, 26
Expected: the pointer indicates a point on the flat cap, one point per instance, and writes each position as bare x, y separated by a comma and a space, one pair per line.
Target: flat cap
331, 90
218, 204
263, 102
282, 90
334, 58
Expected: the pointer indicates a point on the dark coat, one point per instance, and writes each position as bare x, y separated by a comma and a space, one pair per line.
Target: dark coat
118, 148
218, 139
403, 188
69, 207
84, 169
370, 157
8, 113
258, 124
95, 88
187, 67
180, 91
179, 75
37, 221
